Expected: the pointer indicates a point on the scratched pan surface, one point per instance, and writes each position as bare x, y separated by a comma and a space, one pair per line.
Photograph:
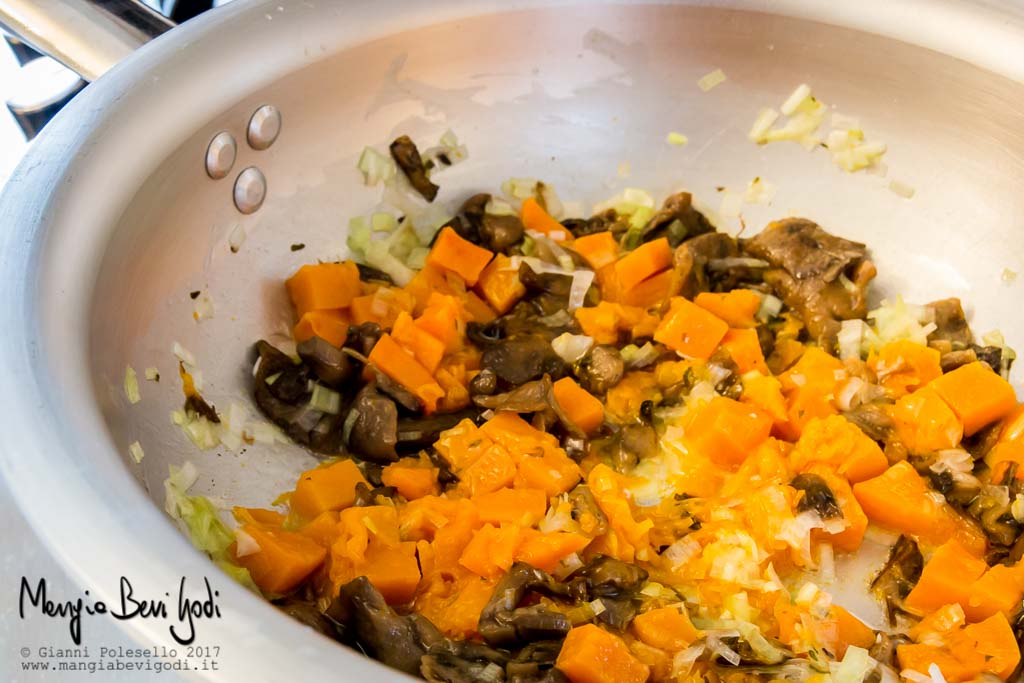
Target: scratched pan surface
113, 222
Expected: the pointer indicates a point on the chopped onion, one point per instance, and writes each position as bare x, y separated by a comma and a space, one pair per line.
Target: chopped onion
567, 566
915, 677
720, 649
638, 357
681, 552
711, 80
848, 397
245, 544
827, 563
499, 207
682, 663
1008, 275
183, 354
376, 167
851, 338
901, 188
325, 400
135, 450
581, 281
718, 264
1017, 508
797, 98
572, 347
856, 665
559, 318
519, 188
936, 673
492, 673
237, 238
677, 139
760, 191
152, 374
771, 306
264, 432
202, 307
766, 118
597, 606
131, 385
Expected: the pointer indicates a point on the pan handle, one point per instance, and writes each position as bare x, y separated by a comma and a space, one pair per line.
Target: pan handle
87, 36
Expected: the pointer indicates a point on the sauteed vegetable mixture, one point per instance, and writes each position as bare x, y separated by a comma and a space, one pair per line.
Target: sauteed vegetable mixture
633, 448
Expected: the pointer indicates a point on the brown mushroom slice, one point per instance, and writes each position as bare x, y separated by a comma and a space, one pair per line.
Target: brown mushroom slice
950, 324
822, 277
677, 220
407, 156
375, 427
503, 622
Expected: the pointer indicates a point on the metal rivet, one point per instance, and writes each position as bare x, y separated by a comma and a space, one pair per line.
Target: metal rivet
220, 155
250, 190
264, 127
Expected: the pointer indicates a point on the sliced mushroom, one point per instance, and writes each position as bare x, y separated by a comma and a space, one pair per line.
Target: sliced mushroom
689, 263
817, 496
600, 369
398, 641
822, 277
950, 324
362, 338
371, 274
396, 391
378, 495
407, 156
530, 397
677, 220
616, 584
495, 232
521, 358
330, 364
286, 401
874, 419
584, 506
375, 429
503, 622
898, 576
306, 612
484, 384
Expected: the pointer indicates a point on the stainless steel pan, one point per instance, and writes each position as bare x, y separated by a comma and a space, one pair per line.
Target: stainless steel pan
111, 220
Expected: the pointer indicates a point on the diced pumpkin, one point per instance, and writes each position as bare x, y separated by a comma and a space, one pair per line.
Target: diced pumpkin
989, 646
850, 631
744, 348
545, 550
666, 628
499, 284
326, 488
592, 655
491, 471
553, 472
623, 401
898, 499
284, 558
840, 443
412, 479
477, 309
425, 347
904, 366
765, 393
924, 422
947, 577
647, 260
459, 255
394, 571
388, 357
323, 529
598, 249
522, 506
329, 325
259, 516
1012, 428
919, 658
535, 218
491, 550
1000, 589
579, 405
650, 293
977, 395
607, 321
726, 431
323, 286
690, 329
452, 601
441, 318
430, 281
382, 307
736, 307
809, 386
